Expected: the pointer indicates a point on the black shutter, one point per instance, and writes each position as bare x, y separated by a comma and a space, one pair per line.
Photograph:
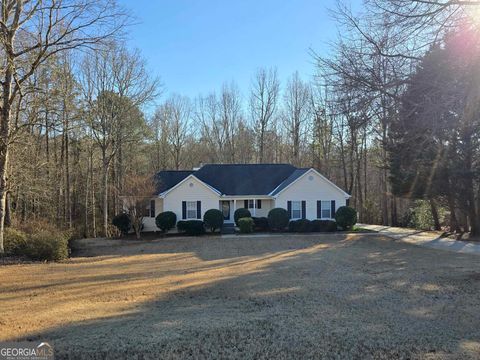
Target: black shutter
245, 204
184, 209
289, 209
152, 208
347, 202
304, 209
333, 209
259, 204
199, 209
319, 209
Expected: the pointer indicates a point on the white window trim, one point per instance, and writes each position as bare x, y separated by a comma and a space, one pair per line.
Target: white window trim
329, 209
299, 210
191, 206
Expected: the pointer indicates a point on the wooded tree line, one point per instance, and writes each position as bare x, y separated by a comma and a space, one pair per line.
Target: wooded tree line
76, 124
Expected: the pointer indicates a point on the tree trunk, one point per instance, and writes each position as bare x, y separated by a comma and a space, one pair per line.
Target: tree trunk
3, 192
436, 220
4, 137
454, 227
105, 198
261, 147
92, 185
8, 220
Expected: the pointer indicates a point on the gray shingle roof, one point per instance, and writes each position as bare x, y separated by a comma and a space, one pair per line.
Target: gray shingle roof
235, 179
169, 178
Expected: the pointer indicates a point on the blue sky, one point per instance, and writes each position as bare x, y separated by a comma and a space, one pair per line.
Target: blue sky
197, 45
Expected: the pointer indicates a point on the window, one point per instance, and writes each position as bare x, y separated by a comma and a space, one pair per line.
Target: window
144, 210
152, 208
249, 204
191, 209
326, 209
296, 209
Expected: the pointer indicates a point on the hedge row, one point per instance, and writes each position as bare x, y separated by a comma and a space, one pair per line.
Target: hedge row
277, 220
304, 225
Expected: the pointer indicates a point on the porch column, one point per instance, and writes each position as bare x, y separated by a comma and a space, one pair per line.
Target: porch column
254, 207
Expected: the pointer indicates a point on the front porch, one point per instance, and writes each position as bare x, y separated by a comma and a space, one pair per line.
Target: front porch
259, 206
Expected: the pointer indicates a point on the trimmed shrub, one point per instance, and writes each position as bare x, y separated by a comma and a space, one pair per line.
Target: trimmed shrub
166, 220
47, 245
181, 225
278, 219
191, 227
241, 213
15, 241
213, 219
346, 217
122, 223
292, 226
260, 223
324, 226
245, 225
301, 225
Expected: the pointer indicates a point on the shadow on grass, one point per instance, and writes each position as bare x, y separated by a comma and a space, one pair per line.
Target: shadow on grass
348, 297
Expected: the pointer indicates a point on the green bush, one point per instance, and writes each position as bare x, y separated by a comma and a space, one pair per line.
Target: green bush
346, 217
301, 225
324, 226
166, 220
191, 227
241, 213
260, 223
213, 219
245, 225
292, 225
122, 223
278, 219
15, 241
47, 245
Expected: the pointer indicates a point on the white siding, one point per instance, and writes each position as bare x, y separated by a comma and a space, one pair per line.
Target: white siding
310, 187
267, 205
149, 222
184, 192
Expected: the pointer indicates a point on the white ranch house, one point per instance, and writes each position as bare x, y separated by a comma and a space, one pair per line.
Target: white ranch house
305, 193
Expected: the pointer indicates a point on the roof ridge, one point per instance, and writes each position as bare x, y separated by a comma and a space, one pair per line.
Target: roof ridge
175, 171
236, 164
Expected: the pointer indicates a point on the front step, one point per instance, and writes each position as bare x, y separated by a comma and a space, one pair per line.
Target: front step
228, 228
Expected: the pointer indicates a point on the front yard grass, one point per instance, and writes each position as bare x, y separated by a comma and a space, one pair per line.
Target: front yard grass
331, 296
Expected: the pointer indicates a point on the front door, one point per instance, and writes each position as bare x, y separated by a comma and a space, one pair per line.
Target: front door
225, 208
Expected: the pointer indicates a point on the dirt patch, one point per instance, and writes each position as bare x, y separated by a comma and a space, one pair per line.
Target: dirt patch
332, 296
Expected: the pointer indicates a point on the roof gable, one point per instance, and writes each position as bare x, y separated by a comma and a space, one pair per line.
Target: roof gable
294, 176
293, 179
167, 179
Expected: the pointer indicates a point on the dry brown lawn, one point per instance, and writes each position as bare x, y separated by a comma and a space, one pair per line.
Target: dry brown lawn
330, 296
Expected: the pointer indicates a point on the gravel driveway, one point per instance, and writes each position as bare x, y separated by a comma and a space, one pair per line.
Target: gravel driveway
295, 297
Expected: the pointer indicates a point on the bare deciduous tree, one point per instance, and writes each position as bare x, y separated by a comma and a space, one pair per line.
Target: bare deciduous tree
137, 193
297, 112
263, 104
115, 83
30, 33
